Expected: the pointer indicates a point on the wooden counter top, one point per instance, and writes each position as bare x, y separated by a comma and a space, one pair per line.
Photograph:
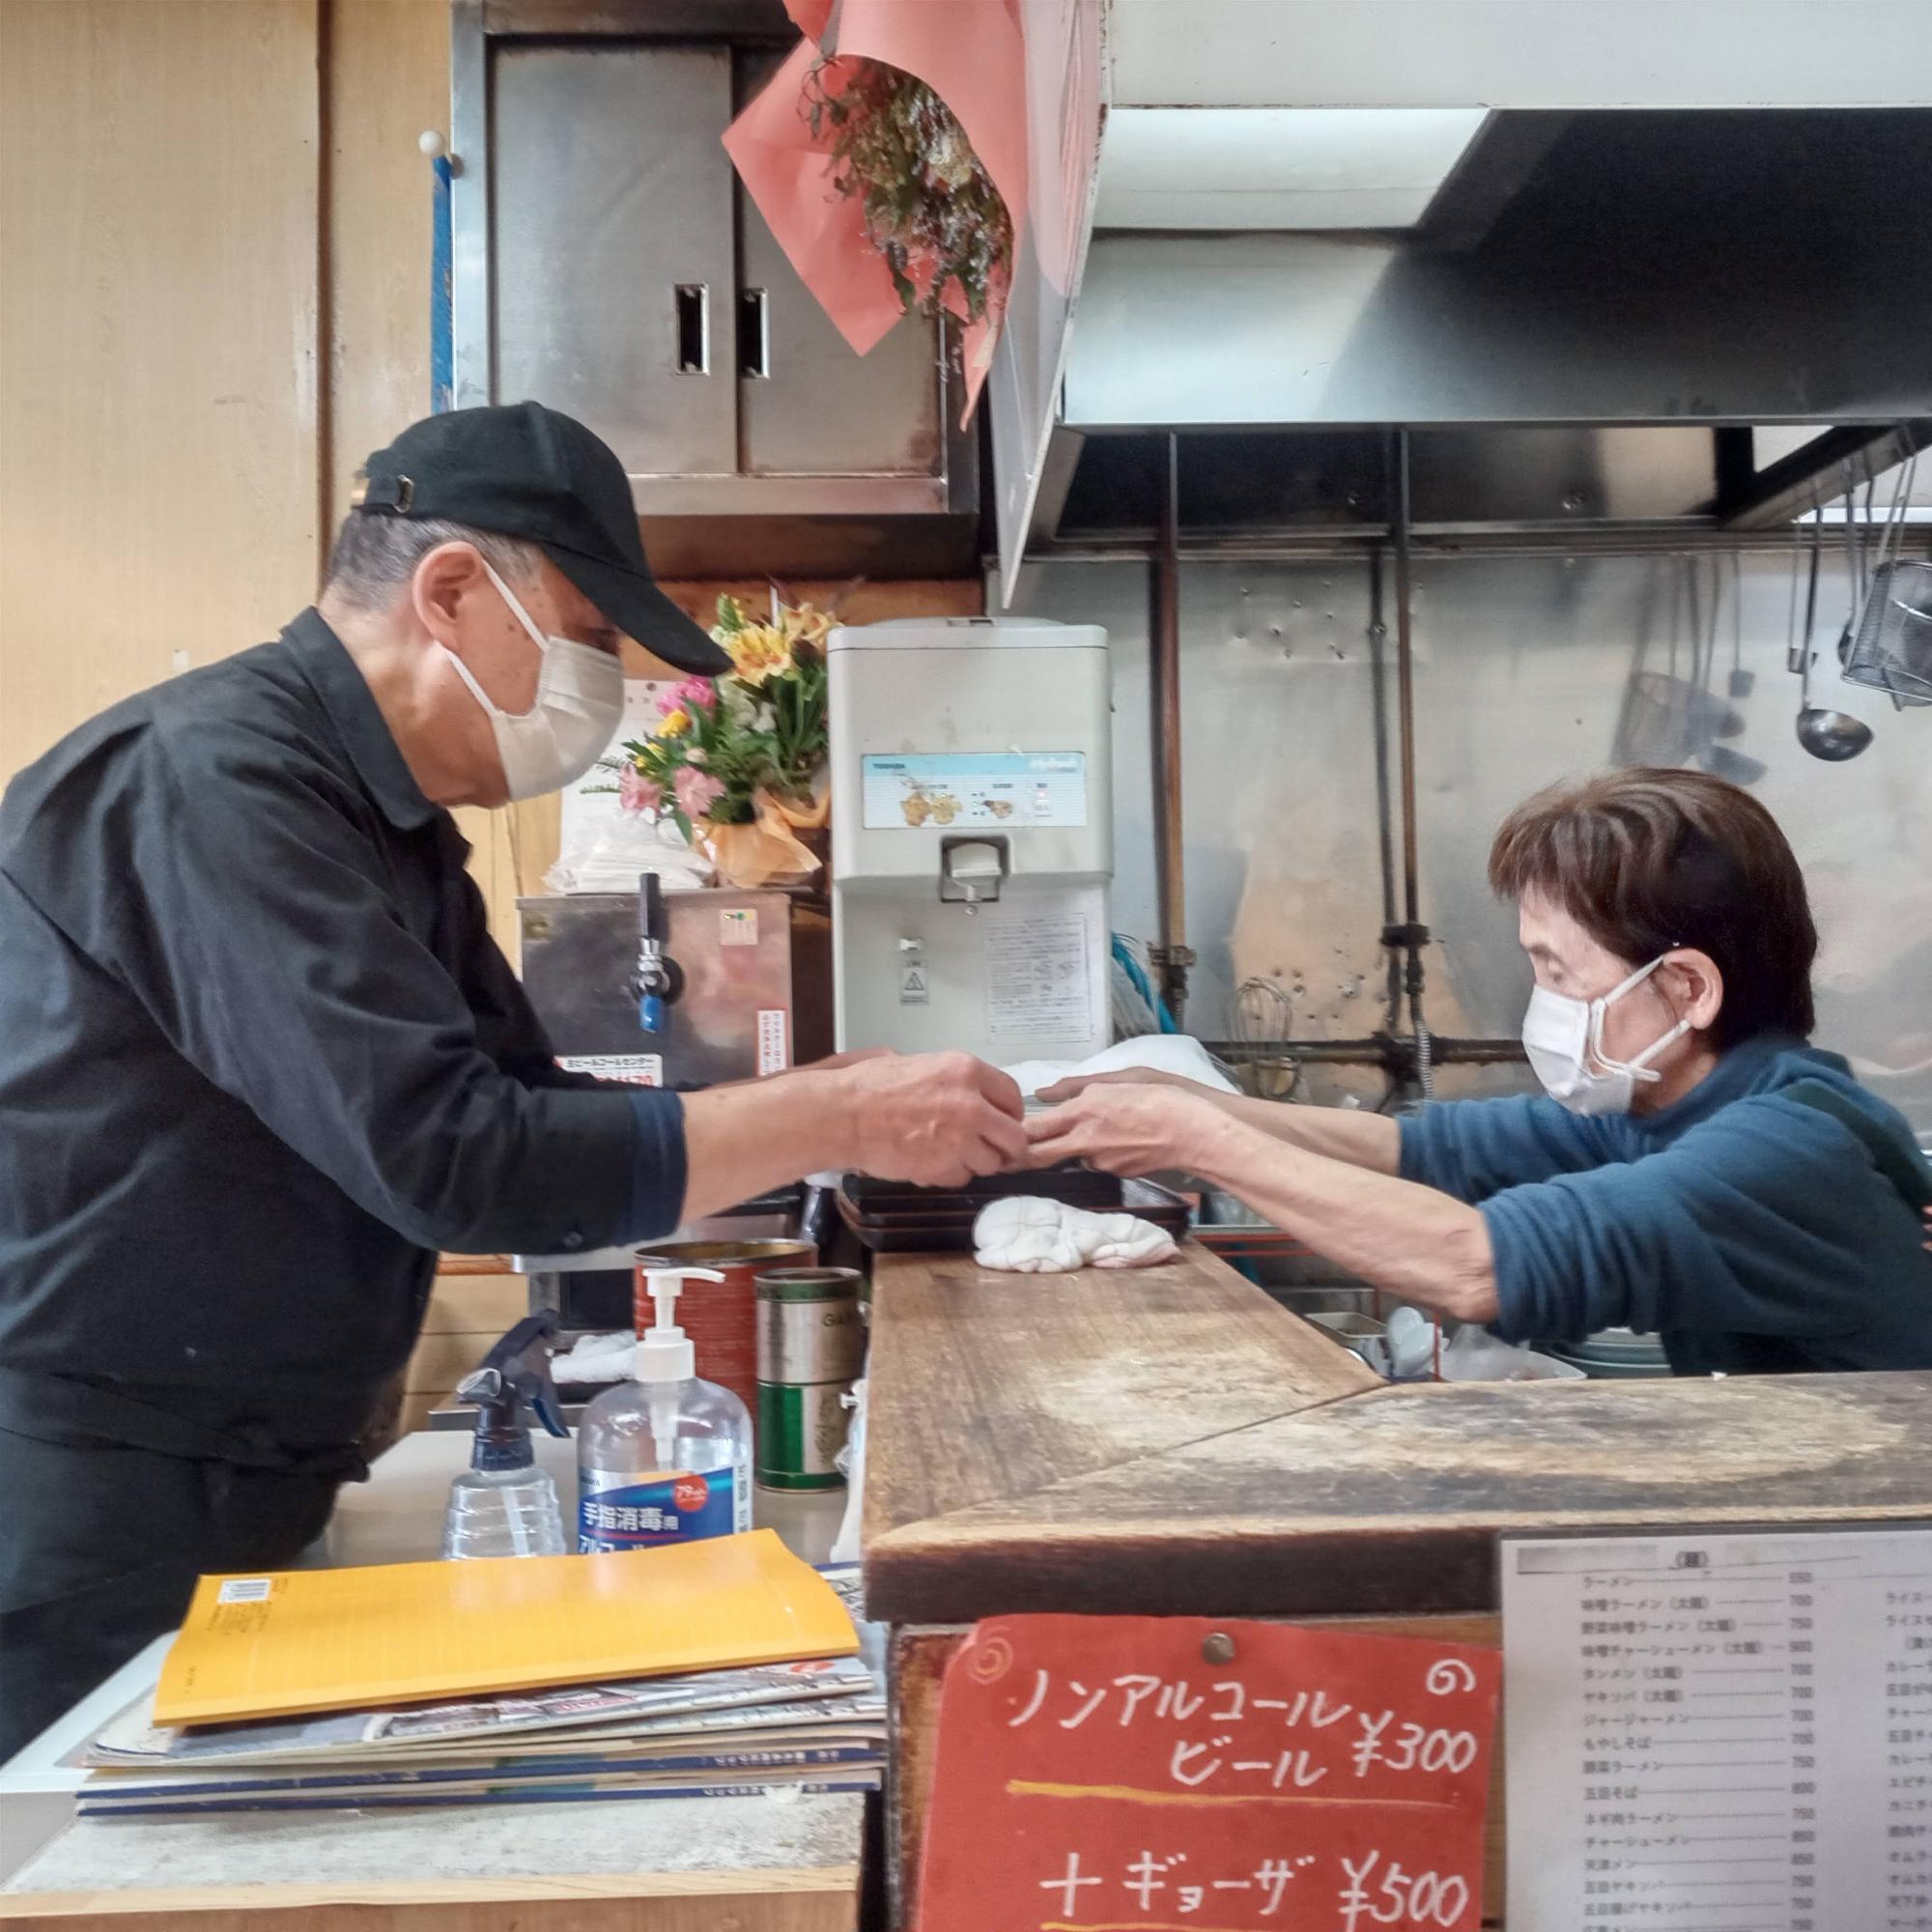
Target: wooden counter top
1171, 1441
987, 1388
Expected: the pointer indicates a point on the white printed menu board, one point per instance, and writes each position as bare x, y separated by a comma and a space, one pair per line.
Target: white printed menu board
1725, 1733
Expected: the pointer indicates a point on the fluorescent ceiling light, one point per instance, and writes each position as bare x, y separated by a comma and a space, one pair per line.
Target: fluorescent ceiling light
1292, 168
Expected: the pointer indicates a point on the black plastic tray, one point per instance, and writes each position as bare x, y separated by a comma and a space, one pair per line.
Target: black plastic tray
1076, 1185
940, 1221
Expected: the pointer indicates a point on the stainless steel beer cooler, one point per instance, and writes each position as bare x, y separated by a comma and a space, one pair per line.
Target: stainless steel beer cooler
747, 983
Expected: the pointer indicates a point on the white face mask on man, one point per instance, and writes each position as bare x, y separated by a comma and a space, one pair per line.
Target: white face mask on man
1562, 1035
579, 705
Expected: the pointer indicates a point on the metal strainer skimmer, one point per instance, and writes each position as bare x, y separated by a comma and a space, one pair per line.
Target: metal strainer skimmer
1892, 649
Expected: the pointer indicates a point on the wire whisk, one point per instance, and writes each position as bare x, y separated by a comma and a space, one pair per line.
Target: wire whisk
1263, 1018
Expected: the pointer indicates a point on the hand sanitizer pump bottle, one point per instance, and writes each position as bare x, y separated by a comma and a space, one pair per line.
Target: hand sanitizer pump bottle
666, 1456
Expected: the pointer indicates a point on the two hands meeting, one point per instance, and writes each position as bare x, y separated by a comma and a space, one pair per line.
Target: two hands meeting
1327, 1177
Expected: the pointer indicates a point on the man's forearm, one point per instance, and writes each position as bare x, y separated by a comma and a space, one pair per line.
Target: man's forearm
743, 1140
937, 1120
1404, 1238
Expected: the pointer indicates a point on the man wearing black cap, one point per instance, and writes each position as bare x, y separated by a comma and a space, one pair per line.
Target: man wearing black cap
260, 1060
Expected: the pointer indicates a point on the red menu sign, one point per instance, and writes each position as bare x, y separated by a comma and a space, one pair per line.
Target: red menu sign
1161, 1774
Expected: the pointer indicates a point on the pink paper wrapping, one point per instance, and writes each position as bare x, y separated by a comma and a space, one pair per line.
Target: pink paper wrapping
971, 54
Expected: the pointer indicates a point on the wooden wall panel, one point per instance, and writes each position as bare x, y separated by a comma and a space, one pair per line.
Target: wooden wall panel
386, 79
215, 222
159, 344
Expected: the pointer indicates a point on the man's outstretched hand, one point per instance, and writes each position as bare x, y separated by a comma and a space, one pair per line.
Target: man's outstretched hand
938, 1120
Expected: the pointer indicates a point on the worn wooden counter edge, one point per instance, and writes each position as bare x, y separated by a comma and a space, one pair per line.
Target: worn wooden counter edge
1285, 1492
667, 1865
785, 1901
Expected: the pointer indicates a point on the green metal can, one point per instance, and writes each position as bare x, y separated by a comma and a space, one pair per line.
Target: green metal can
811, 1349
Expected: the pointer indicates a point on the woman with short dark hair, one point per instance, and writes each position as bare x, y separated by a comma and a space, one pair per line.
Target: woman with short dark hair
1694, 1166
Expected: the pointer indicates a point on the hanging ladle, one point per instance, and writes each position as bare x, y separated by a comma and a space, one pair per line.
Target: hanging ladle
1826, 734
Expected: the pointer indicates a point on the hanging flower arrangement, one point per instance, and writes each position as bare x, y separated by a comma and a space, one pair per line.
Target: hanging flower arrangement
889, 156
738, 763
930, 207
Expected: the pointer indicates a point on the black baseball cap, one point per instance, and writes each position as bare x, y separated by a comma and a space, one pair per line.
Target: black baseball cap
522, 471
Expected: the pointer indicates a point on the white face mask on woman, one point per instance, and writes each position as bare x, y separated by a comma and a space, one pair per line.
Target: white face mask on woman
1562, 1035
579, 705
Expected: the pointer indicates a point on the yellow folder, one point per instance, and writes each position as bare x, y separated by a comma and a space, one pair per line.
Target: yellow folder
276, 1645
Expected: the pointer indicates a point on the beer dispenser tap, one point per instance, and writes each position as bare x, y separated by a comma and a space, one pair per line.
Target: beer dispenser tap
657, 981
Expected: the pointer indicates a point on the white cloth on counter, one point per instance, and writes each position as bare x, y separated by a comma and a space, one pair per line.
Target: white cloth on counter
1026, 1235
596, 1358
1157, 1052
1467, 1353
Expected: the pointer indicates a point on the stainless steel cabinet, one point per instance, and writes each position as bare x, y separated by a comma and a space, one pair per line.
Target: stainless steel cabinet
607, 262
614, 249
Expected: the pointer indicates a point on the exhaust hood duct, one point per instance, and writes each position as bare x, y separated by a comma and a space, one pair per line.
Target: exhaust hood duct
1728, 268
1590, 315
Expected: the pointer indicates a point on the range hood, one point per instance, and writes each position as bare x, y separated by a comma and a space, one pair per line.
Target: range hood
1581, 302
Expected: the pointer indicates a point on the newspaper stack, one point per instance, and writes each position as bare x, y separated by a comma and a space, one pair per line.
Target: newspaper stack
816, 1726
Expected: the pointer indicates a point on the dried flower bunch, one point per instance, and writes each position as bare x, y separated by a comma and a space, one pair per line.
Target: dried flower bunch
930, 207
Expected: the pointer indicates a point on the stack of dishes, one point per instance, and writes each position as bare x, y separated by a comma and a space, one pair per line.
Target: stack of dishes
1613, 1354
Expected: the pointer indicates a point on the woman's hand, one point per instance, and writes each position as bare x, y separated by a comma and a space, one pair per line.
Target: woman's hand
1126, 1129
1076, 1085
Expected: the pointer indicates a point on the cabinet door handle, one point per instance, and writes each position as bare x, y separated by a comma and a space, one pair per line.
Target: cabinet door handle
755, 335
692, 313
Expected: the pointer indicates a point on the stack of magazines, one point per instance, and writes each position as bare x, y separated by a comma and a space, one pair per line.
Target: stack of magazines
816, 1725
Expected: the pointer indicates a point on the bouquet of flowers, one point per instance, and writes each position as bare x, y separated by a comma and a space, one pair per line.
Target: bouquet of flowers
889, 155
930, 207
738, 763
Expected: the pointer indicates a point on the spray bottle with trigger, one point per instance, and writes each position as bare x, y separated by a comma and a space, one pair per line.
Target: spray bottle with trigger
503, 1505
666, 1456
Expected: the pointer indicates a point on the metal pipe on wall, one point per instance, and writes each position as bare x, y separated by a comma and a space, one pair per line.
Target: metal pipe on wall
1404, 680
1376, 1050
1499, 542
1384, 814
1411, 935
1171, 956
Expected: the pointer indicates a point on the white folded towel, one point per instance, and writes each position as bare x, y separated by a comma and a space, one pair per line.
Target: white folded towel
1026, 1235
